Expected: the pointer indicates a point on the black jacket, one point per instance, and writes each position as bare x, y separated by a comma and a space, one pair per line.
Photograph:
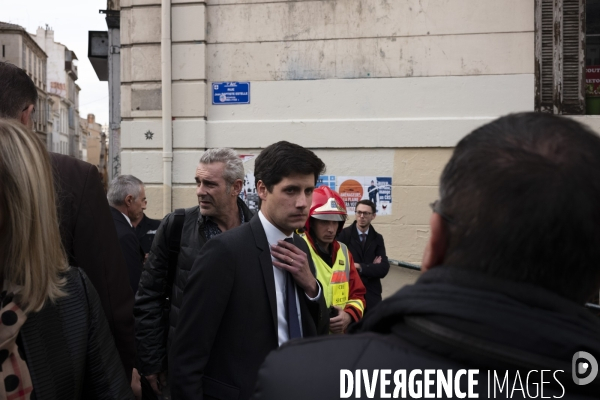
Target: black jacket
145, 231
89, 237
228, 321
69, 349
153, 333
450, 319
134, 255
370, 274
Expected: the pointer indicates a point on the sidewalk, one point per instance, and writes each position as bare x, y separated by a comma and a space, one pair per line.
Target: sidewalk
396, 278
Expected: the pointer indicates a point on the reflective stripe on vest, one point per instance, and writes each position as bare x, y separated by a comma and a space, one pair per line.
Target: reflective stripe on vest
335, 279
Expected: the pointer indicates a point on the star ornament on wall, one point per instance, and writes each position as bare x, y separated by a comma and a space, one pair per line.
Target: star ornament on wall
149, 135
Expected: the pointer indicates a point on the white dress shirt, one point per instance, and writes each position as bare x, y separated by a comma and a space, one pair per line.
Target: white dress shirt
128, 220
273, 236
361, 232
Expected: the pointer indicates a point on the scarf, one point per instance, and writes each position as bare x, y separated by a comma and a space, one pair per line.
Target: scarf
14, 372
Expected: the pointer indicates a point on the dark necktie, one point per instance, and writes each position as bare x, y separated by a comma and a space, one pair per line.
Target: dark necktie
363, 239
291, 309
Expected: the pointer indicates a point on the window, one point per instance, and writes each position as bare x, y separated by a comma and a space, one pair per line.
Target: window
71, 118
560, 56
592, 57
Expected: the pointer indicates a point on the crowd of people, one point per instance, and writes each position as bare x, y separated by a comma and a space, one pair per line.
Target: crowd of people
218, 302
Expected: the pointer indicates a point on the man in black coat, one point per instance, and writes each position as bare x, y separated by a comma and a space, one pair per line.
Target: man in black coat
127, 199
86, 228
251, 288
368, 250
219, 178
513, 255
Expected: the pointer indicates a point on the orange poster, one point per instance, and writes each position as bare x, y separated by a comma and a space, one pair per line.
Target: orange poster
351, 192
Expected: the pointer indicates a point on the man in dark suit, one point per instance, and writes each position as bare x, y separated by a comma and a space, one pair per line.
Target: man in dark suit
145, 231
368, 250
127, 199
86, 228
239, 305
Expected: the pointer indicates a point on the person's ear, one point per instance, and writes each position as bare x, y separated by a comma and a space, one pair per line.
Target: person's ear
237, 187
435, 251
374, 215
25, 117
261, 190
129, 200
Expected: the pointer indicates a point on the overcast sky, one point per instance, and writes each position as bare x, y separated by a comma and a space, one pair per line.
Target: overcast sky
71, 20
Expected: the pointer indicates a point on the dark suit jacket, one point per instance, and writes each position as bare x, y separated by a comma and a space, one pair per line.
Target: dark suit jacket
68, 347
89, 237
228, 322
145, 231
134, 255
370, 274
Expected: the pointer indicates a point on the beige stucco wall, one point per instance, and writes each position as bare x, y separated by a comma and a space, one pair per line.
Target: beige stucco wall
415, 174
382, 88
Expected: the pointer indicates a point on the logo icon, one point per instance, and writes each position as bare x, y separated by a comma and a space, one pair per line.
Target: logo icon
585, 368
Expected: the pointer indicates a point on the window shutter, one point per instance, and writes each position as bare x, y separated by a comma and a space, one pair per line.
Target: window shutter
560, 56
573, 36
544, 21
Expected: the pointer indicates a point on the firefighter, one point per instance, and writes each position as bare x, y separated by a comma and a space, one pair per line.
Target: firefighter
343, 289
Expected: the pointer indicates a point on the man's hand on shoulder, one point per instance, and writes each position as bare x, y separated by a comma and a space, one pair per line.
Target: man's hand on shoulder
290, 258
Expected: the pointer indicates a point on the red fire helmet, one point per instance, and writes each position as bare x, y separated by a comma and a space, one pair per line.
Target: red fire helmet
327, 205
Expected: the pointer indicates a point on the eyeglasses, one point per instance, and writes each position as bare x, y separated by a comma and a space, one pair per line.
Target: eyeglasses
435, 207
363, 213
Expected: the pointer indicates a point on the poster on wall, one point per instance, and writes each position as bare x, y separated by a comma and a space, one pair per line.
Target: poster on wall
326, 180
378, 189
248, 193
352, 189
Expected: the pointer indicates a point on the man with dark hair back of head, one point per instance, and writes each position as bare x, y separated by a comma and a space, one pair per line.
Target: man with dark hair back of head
513, 255
87, 230
18, 94
251, 288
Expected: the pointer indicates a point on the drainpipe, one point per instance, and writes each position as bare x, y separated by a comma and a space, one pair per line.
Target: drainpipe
167, 123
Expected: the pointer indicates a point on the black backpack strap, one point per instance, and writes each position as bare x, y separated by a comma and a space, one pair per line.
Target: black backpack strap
174, 246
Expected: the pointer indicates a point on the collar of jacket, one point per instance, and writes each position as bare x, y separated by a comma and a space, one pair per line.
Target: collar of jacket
512, 313
335, 246
248, 214
354, 231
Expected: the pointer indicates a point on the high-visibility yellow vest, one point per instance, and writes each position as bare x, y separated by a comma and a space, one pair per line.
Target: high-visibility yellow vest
335, 280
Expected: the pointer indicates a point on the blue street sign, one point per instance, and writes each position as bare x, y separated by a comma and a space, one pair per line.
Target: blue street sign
231, 92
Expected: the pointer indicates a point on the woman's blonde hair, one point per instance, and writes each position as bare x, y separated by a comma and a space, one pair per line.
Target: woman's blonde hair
31, 253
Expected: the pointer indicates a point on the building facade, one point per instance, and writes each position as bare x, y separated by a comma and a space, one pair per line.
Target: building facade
380, 90
63, 92
19, 48
91, 139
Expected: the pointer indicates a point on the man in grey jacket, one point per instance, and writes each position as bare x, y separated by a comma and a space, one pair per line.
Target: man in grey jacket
219, 178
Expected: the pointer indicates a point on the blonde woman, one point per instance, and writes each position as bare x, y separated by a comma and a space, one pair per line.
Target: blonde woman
54, 340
